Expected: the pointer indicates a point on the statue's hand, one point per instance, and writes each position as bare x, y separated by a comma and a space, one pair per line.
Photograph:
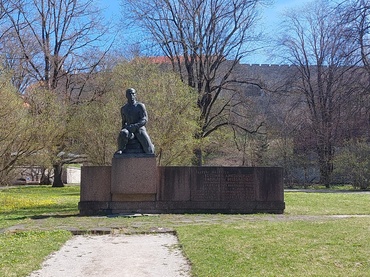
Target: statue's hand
131, 128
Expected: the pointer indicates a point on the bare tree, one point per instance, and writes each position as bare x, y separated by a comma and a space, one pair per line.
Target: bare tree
52, 37
55, 44
204, 41
321, 48
356, 14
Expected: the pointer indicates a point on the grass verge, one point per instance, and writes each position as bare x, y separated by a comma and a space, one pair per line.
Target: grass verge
295, 248
23, 252
323, 203
19, 205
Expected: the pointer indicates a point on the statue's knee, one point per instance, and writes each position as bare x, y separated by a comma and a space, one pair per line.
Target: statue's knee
125, 133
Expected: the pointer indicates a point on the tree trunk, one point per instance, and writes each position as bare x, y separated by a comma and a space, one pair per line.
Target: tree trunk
197, 161
326, 165
45, 177
58, 183
325, 176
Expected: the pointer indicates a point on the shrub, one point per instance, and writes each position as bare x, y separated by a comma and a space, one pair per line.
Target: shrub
352, 164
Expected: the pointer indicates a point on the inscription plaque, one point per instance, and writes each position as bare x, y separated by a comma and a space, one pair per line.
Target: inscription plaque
223, 184
237, 185
207, 185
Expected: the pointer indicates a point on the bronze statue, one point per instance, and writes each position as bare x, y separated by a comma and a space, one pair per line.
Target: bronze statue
134, 118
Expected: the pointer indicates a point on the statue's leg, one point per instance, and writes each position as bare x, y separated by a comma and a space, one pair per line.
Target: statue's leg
122, 140
145, 141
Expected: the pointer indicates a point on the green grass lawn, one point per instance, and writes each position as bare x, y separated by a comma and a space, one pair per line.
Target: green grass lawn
312, 238
292, 248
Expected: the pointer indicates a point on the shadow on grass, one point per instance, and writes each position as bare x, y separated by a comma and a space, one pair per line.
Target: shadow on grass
13, 217
40, 212
35, 217
10, 217
327, 191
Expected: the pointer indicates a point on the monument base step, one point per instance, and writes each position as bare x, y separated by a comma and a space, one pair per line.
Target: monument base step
176, 207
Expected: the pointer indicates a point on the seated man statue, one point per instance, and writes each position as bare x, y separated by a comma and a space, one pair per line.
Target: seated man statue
134, 118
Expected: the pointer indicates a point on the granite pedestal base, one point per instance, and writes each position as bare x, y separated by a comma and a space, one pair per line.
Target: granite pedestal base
134, 178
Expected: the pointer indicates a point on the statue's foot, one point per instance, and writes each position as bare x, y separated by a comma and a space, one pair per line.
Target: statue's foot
119, 152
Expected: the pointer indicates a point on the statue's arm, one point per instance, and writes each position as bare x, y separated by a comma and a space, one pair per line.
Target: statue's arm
123, 119
143, 116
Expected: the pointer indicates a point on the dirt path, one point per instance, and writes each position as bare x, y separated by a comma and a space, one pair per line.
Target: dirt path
117, 255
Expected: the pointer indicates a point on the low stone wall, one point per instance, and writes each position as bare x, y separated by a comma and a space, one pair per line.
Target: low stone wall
222, 189
182, 190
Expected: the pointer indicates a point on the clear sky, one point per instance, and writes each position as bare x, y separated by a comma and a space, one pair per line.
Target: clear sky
113, 7
273, 13
271, 17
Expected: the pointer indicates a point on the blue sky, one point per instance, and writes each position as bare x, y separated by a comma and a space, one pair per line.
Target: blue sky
270, 16
273, 13
278, 5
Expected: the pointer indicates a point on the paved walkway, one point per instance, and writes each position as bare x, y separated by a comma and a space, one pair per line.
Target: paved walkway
117, 255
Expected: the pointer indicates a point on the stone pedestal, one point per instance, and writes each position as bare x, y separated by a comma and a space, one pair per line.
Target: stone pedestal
134, 178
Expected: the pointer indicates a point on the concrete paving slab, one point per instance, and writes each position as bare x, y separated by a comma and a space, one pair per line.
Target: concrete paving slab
117, 255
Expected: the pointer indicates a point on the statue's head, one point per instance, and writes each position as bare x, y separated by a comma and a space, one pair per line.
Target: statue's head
131, 95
